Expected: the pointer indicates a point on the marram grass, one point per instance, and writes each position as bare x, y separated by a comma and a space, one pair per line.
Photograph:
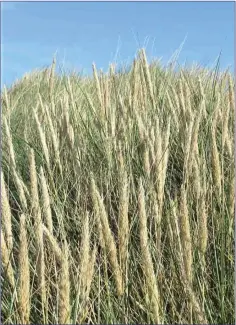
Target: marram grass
118, 197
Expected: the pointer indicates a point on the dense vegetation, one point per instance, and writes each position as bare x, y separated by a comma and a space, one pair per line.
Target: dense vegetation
118, 197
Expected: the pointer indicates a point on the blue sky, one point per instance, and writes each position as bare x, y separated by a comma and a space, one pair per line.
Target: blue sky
102, 32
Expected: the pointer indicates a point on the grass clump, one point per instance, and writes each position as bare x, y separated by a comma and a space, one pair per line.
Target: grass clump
118, 197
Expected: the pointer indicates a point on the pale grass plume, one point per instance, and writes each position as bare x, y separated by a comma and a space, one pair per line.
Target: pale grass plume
91, 269
52, 108
204, 177
143, 134
64, 288
67, 127
202, 229
142, 100
24, 274
185, 234
41, 112
98, 88
25, 134
9, 143
64, 103
53, 244
201, 89
41, 272
163, 164
172, 110
36, 213
6, 214
101, 82
215, 116
113, 118
182, 98
229, 144
90, 102
135, 85
188, 104
152, 140
97, 214
215, 159
20, 189
112, 70
176, 101
231, 200
71, 94
232, 191
157, 221
174, 220
120, 158
42, 105
204, 112
129, 100
123, 108
108, 239
42, 139
89, 279
84, 254
106, 95
195, 305
146, 258
71, 136
203, 96
46, 209
123, 220
170, 231
147, 75
25, 188
152, 151
52, 76
194, 138
196, 178
225, 123
159, 164
6, 262
187, 149
55, 140
157, 151
231, 93
146, 159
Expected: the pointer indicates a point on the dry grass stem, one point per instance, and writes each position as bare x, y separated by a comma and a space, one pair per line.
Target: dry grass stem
24, 274
42, 139
6, 215
53, 243
185, 235
46, 201
9, 143
146, 258
5, 255
123, 221
64, 288
109, 240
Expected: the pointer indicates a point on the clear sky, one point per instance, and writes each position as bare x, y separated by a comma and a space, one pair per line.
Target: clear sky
83, 32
